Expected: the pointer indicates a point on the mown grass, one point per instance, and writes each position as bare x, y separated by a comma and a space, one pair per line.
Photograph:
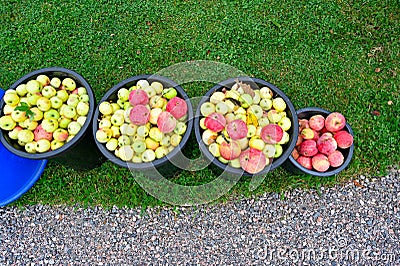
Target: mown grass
338, 55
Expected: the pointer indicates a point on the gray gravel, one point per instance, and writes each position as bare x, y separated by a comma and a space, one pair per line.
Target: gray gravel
344, 225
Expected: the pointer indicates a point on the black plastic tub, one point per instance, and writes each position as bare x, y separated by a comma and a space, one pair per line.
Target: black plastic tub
294, 167
255, 84
167, 165
81, 151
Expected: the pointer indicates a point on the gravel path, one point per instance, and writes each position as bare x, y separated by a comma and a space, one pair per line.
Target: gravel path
345, 225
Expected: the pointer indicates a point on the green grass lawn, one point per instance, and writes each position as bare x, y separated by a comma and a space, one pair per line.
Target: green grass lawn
339, 55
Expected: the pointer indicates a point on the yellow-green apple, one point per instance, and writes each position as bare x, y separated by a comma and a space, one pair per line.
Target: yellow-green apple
43, 79
128, 129
209, 136
161, 151
103, 135
230, 104
28, 124
307, 133
269, 150
55, 144
148, 156
56, 102
43, 145
256, 143
81, 120
207, 108
73, 100
43, 103
244, 143
139, 146
256, 97
137, 158
285, 138
74, 127
49, 91
50, 124
266, 93
60, 134
256, 110
7, 123
52, 113
151, 143
213, 148
232, 94
117, 119
21, 90
245, 100
175, 140
115, 131
157, 101
82, 109
7, 110
63, 122
274, 116
33, 86
263, 121
235, 163
63, 95
169, 93
221, 108
142, 131
25, 136
251, 131
69, 111
156, 134
112, 144
11, 99
125, 153
123, 140
105, 108
68, 84
18, 116
13, 134
157, 86
30, 147
165, 141
279, 104
217, 97
285, 123
55, 82
278, 150
229, 117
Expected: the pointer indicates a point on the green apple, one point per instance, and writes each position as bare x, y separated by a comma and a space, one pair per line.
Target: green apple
73, 100
82, 91
232, 94
43, 103
82, 109
180, 128
263, 121
18, 116
221, 108
266, 93
7, 123
105, 122
251, 130
55, 82
117, 119
139, 146
266, 104
150, 91
142, 131
43, 79
105, 108
25, 135
165, 141
28, 124
8, 109
285, 123
278, 150
169, 93
84, 98
175, 139
63, 95
257, 97
63, 122
161, 151
124, 140
21, 90
43, 145
148, 156
69, 84
137, 158
217, 97
269, 150
156, 134
30, 147
52, 113
103, 135
202, 125
257, 143
74, 127
115, 107
123, 94
256, 110
11, 99
81, 120
207, 108
55, 144
279, 104
50, 124
235, 163
69, 112
274, 116
157, 86
13, 134
112, 144
213, 148
56, 102
49, 91
285, 138
33, 86
245, 100
32, 98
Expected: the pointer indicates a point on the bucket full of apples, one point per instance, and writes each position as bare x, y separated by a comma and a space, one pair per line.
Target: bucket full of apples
143, 122
325, 143
246, 126
47, 114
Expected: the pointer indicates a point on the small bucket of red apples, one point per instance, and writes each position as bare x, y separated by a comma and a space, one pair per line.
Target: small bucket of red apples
46, 115
325, 143
246, 126
143, 123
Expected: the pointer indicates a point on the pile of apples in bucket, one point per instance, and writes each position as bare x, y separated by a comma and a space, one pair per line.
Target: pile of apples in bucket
245, 128
44, 113
146, 122
321, 142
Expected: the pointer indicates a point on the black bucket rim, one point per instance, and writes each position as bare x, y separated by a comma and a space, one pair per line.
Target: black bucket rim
158, 162
275, 162
79, 79
336, 170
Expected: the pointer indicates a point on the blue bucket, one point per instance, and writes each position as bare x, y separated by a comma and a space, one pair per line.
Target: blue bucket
17, 174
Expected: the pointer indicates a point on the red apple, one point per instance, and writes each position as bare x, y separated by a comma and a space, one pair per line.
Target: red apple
215, 122
326, 143
166, 122
320, 162
237, 129
343, 139
252, 160
271, 133
303, 123
139, 115
336, 158
177, 107
40, 133
295, 154
308, 148
317, 122
230, 151
138, 97
305, 162
334, 122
